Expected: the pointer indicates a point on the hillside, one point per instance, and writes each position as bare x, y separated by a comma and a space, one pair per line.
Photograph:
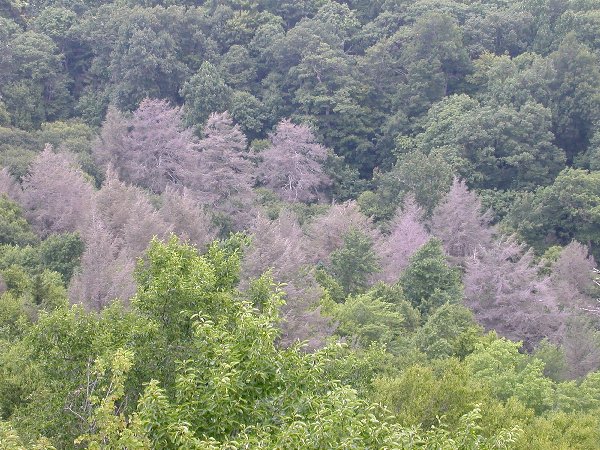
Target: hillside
306, 224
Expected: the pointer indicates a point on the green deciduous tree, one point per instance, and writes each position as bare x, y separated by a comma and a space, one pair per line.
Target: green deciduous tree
14, 229
566, 210
355, 262
204, 93
428, 281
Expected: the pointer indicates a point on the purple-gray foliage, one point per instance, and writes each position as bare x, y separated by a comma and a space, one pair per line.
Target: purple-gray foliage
292, 165
459, 222
504, 290
57, 197
407, 234
151, 149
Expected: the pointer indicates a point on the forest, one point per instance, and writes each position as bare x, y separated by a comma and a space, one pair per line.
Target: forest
299, 224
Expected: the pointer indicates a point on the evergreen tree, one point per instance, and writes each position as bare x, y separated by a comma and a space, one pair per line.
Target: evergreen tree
407, 235
460, 222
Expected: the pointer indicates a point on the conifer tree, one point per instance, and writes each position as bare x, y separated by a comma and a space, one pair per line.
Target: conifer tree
354, 264
151, 149
188, 219
326, 232
459, 222
128, 215
56, 195
407, 235
106, 272
279, 247
225, 175
505, 293
8, 185
293, 165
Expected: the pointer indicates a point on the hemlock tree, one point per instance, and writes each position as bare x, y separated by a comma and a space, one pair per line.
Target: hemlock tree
8, 185
572, 276
128, 215
225, 175
293, 164
155, 150
459, 222
582, 347
188, 219
505, 293
407, 235
106, 272
57, 196
279, 247
326, 232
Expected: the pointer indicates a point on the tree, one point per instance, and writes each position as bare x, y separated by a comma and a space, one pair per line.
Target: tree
494, 145
506, 294
503, 80
327, 91
407, 234
35, 84
225, 175
14, 229
106, 272
205, 93
152, 149
593, 153
561, 212
292, 165
460, 223
353, 264
61, 253
575, 101
326, 232
188, 219
129, 216
572, 276
8, 185
57, 196
109, 148
509, 373
249, 112
450, 330
582, 347
238, 68
279, 248
500, 29
144, 62
428, 281
426, 177
365, 319
421, 393
277, 245
418, 65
